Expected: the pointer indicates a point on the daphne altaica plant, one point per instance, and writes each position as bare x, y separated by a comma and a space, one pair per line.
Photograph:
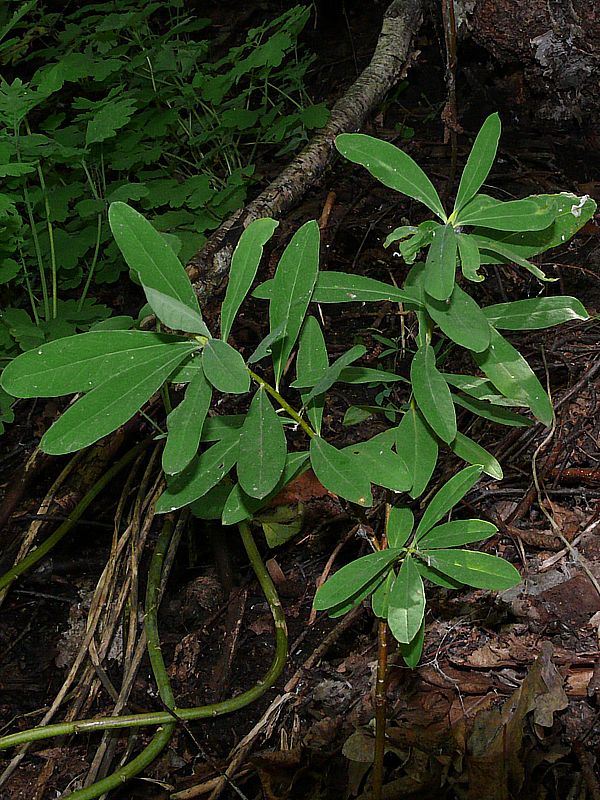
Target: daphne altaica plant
228, 466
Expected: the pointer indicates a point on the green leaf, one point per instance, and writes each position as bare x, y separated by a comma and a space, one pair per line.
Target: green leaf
184, 425
432, 394
535, 313
479, 162
356, 599
147, 253
474, 453
294, 283
457, 533
508, 256
332, 373
264, 349
79, 363
381, 596
112, 403
493, 412
341, 287
479, 388
403, 232
418, 447
210, 505
392, 167
440, 266
340, 472
282, 523
108, 120
461, 319
509, 372
400, 525
406, 603
226, 426
224, 367
480, 570
350, 579
513, 215
244, 265
204, 472
358, 375
263, 447
470, 259
376, 459
447, 497
312, 359
174, 314
435, 576
411, 652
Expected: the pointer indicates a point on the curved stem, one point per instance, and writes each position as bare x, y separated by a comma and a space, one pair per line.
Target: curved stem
186, 714
283, 403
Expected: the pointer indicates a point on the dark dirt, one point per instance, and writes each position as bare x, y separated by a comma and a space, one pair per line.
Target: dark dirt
460, 726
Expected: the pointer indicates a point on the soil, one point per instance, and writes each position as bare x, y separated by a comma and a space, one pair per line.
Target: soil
505, 702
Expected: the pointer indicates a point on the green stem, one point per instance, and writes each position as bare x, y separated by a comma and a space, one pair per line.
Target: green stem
186, 714
47, 545
283, 403
163, 735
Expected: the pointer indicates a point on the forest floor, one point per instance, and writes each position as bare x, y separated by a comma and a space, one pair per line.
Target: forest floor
506, 700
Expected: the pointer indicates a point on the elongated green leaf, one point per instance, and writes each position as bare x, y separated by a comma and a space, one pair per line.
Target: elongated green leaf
461, 319
495, 413
411, 247
381, 595
508, 256
406, 603
457, 533
479, 162
79, 363
210, 505
263, 447
474, 453
352, 602
341, 287
175, 314
226, 426
411, 652
184, 425
535, 313
244, 265
358, 375
392, 167
294, 283
479, 388
508, 370
264, 349
350, 579
470, 259
418, 447
400, 525
403, 232
380, 464
333, 372
240, 506
204, 472
224, 367
480, 570
447, 497
432, 394
113, 402
148, 254
312, 359
513, 215
440, 266
435, 576
340, 472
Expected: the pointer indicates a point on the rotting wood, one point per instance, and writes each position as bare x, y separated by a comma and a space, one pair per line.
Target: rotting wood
391, 60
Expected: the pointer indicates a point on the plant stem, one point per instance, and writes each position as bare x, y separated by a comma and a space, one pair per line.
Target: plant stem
186, 714
283, 403
380, 708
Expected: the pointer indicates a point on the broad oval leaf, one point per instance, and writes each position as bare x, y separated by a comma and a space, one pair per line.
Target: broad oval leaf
148, 254
244, 266
535, 313
457, 533
411, 652
224, 367
184, 425
79, 363
479, 162
109, 405
461, 319
392, 167
174, 314
399, 526
376, 459
432, 394
474, 453
406, 608
263, 447
210, 505
508, 370
340, 472
440, 266
481, 570
447, 497
435, 576
418, 446
199, 477
350, 579
292, 290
